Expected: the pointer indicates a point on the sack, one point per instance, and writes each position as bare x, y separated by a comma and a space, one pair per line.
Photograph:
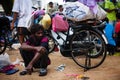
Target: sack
4, 60
59, 24
77, 11
38, 13
46, 21
101, 13
70, 0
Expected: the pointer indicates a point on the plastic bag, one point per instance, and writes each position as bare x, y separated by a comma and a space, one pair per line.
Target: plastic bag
46, 21
59, 24
101, 13
4, 60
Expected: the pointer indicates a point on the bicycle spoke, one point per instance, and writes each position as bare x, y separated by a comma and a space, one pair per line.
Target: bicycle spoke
88, 49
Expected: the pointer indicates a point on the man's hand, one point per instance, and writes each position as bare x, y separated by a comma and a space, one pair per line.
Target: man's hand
38, 49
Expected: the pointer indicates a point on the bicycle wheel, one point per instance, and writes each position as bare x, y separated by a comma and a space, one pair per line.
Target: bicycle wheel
51, 43
3, 44
88, 48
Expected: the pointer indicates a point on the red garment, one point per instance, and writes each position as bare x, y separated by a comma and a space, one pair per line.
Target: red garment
117, 27
7, 68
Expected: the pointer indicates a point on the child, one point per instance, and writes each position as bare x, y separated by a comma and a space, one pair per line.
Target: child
35, 51
51, 8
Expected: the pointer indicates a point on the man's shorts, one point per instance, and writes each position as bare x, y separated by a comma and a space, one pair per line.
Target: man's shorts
23, 31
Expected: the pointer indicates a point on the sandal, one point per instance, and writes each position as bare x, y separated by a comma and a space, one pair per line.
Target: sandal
23, 72
29, 69
43, 72
12, 71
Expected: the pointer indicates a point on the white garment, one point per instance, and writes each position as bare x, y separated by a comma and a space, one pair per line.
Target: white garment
24, 9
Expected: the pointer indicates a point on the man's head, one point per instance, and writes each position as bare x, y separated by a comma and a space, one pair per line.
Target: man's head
37, 30
60, 7
50, 4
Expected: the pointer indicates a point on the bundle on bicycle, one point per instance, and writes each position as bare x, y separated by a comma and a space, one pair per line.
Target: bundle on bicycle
84, 42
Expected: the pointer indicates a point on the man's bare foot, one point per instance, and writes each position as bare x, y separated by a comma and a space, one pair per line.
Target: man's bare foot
29, 69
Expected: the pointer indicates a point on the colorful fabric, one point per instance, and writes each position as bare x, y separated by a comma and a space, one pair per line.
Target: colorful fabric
92, 4
117, 27
7, 68
109, 31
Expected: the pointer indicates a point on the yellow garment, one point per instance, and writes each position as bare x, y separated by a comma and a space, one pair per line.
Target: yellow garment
46, 21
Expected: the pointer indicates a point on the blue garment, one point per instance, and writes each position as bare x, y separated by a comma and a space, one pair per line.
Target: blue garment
109, 31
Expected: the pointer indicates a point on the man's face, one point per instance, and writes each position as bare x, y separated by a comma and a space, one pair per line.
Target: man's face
61, 9
51, 5
39, 34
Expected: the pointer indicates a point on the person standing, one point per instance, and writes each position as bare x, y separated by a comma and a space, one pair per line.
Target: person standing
110, 8
51, 8
22, 9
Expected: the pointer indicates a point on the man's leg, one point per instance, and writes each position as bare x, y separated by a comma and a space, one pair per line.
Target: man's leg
22, 32
20, 35
35, 59
44, 62
26, 56
21, 38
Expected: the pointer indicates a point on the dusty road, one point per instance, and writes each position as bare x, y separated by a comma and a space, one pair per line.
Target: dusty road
109, 70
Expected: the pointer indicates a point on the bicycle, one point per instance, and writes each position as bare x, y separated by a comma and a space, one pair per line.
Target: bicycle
4, 25
83, 42
8, 37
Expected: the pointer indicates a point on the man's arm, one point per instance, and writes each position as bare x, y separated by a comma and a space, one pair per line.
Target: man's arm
27, 47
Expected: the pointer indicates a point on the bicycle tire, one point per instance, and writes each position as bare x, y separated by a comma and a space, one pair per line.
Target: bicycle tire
84, 48
3, 44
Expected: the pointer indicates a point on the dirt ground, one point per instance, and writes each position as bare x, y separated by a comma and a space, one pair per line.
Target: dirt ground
109, 70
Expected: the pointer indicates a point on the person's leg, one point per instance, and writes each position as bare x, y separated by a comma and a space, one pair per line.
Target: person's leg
20, 35
27, 57
45, 61
22, 32
35, 59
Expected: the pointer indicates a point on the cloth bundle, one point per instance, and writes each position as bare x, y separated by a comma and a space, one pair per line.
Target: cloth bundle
78, 12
